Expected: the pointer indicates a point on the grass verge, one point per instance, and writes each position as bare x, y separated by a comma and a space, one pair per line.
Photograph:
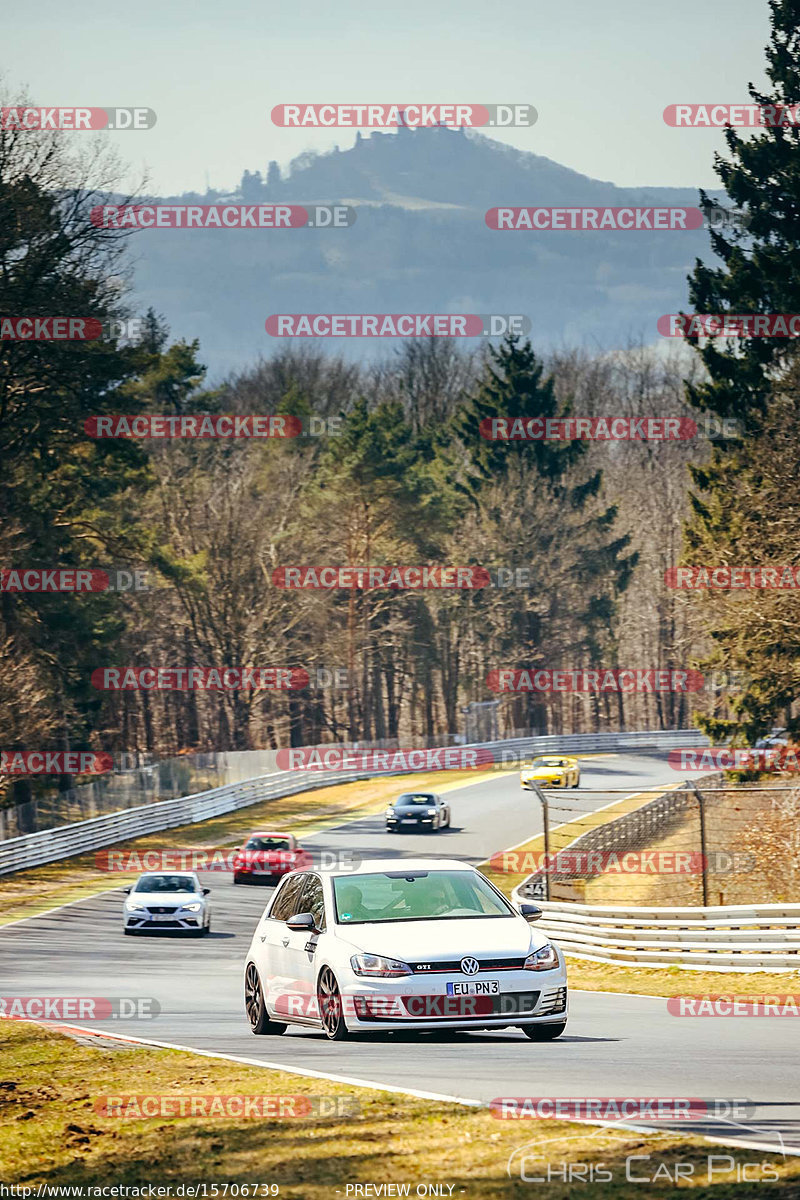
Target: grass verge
53, 1134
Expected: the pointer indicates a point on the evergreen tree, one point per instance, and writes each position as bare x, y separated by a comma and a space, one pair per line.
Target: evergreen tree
744, 501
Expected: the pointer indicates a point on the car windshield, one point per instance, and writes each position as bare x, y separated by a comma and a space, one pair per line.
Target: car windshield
548, 762
267, 843
409, 800
165, 883
416, 896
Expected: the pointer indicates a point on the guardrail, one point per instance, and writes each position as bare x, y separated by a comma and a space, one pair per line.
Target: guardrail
35, 849
736, 937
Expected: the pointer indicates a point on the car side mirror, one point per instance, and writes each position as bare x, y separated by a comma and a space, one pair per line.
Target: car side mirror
302, 923
127, 891
206, 891
531, 912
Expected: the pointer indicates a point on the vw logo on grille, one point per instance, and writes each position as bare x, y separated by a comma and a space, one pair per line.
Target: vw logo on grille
470, 966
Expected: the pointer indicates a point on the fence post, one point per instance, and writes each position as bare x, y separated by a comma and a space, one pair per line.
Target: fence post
702, 807
546, 831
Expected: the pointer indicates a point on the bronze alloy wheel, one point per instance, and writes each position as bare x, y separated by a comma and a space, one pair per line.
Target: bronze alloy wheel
254, 1004
329, 999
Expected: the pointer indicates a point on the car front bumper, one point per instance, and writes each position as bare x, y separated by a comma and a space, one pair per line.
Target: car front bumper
526, 997
409, 822
151, 921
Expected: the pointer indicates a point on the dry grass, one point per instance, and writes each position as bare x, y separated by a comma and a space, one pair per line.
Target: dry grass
54, 1135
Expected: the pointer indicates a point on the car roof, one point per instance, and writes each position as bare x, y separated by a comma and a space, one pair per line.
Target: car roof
151, 874
372, 865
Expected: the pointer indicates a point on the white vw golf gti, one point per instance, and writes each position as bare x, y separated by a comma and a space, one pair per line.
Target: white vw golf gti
394, 945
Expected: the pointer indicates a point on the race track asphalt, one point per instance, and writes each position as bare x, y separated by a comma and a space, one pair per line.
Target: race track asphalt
614, 1045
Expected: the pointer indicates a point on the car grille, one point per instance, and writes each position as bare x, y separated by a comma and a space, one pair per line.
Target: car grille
454, 964
160, 908
165, 924
445, 1008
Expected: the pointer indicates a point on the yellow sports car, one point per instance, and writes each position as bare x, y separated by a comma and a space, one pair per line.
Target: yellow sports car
551, 771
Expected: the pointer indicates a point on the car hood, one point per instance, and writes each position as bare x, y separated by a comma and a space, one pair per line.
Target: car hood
430, 940
175, 898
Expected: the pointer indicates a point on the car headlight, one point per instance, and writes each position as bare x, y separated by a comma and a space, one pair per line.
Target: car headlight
383, 968
431, 812
390, 812
134, 906
545, 959
195, 907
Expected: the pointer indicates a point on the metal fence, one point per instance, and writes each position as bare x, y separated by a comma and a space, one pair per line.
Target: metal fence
703, 843
44, 846
764, 937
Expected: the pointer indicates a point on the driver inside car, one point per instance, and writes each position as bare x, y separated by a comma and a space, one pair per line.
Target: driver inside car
437, 901
351, 904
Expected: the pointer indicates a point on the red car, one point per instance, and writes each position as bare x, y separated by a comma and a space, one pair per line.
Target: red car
266, 857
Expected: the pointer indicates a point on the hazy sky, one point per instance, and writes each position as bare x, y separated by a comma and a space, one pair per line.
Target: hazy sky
600, 73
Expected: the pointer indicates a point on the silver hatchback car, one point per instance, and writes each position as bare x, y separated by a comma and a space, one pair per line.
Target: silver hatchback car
174, 900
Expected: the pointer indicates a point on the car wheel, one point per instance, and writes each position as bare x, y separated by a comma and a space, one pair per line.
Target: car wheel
329, 999
544, 1033
254, 1004
237, 878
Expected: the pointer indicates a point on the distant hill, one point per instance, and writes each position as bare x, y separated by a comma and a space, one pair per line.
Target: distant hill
419, 244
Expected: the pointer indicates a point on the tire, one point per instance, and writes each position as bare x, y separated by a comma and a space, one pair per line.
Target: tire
206, 929
447, 822
544, 1033
237, 879
329, 999
254, 1004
